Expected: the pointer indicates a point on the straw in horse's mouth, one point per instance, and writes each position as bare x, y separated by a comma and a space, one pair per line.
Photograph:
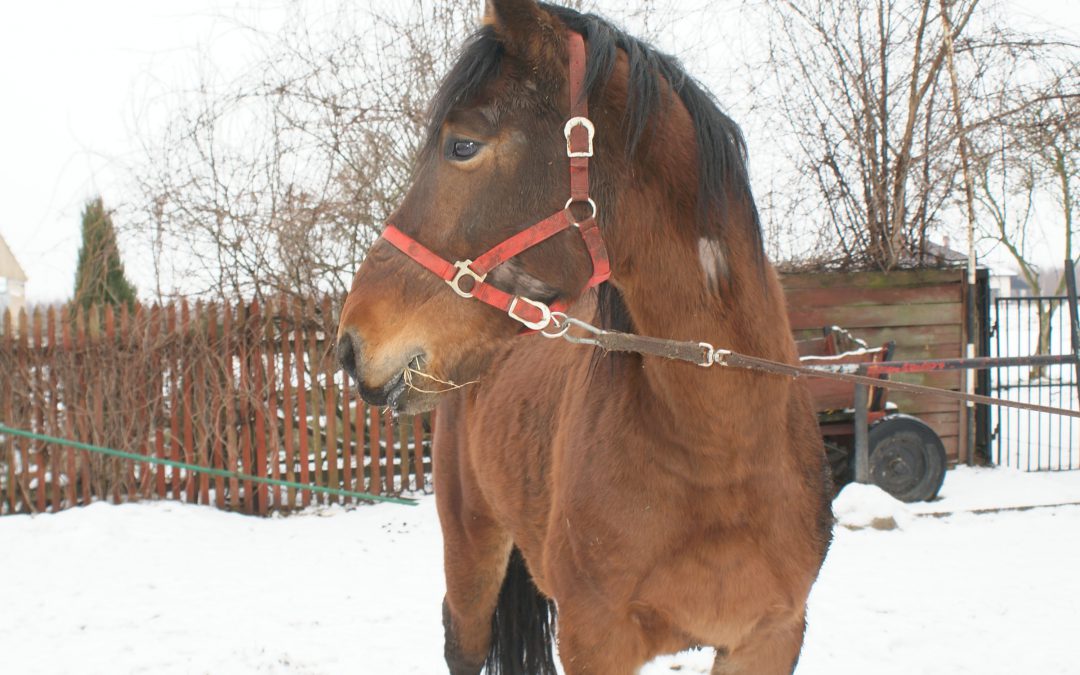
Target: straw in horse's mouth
415, 370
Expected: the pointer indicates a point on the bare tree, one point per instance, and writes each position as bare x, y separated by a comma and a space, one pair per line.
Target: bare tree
278, 182
864, 97
1031, 156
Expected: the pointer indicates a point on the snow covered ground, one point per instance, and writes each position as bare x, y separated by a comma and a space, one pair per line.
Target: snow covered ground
169, 588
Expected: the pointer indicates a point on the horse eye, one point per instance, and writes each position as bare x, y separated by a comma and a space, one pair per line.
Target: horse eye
464, 149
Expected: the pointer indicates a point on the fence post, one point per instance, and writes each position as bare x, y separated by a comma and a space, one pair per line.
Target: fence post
326, 366
216, 393
375, 452
301, 391
346, 436
403, 435
289, 333
317, 454
1074, 319
36, 404
243, 326
862, 451
124, 333
260, 401
273, 439
359, 417
7, 342
22, 410
418, 451
55, 454
190, 483
389, 473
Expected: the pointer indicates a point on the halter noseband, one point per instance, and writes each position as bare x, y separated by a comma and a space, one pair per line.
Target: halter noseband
580, 133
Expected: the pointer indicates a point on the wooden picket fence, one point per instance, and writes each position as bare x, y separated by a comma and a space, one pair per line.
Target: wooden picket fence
242, 387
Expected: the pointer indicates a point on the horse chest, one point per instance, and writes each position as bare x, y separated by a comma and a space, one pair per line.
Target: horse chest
658, 548
635, 529
700, 584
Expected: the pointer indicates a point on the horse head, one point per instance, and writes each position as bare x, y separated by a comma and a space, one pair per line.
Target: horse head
494, 164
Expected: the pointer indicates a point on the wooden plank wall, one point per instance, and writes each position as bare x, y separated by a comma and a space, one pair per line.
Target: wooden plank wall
244, 387
921, 310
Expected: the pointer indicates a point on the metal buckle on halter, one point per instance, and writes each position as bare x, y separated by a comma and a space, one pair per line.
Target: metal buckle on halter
545, 311
465, 271
579, 122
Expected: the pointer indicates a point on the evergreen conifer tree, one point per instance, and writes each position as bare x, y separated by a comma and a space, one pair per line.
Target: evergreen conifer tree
100, 278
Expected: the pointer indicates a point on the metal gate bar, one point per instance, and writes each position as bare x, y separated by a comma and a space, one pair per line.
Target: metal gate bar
1028, 440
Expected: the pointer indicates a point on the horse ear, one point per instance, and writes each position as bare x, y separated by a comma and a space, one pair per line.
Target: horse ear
525, 29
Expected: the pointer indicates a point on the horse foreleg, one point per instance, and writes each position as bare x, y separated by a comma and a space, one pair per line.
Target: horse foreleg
771, 649
475, 565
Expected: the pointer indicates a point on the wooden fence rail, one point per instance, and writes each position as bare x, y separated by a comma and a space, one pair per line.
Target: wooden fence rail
242, 387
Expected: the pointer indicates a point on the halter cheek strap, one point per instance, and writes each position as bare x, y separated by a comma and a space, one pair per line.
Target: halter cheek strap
467, 277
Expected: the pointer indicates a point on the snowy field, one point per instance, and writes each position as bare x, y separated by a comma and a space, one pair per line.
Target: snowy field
169, 588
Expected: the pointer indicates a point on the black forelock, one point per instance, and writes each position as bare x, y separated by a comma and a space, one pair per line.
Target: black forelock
722, 162
478, 64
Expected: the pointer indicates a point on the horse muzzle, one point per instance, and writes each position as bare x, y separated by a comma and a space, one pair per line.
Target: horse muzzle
350, 351
395, 392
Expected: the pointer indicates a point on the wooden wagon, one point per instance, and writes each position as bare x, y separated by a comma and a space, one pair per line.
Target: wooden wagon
905, 455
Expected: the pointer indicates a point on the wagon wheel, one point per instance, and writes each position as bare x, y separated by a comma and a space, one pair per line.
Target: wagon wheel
907, 459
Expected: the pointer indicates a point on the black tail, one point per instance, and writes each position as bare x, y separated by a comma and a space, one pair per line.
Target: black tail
523, 626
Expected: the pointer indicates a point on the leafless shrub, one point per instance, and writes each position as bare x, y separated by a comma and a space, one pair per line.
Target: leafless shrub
279, 181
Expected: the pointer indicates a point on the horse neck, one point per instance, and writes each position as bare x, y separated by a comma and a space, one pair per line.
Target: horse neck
666, 289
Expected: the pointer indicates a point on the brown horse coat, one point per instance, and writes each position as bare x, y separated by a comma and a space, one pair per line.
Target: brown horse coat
659, 504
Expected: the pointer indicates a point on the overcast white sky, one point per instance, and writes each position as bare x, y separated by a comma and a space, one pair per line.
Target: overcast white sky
79, 77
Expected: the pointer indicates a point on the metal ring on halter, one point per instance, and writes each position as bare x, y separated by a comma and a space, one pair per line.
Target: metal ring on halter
559, 319
589, 201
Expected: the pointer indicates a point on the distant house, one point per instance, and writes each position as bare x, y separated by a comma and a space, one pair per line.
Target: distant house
929, 254
1005, 283
12, 283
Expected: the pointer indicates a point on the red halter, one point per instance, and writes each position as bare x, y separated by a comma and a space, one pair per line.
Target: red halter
580, 133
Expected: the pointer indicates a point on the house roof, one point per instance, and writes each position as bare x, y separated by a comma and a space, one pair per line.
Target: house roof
9, 266
937, 255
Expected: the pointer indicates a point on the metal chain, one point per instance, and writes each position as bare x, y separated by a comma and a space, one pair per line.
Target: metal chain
705, 355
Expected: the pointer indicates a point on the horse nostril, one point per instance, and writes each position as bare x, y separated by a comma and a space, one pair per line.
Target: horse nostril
346, 355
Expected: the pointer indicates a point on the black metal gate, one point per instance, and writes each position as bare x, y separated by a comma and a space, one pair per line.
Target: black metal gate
1026, 440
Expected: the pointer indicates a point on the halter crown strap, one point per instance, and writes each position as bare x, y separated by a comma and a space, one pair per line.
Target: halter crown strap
467, 277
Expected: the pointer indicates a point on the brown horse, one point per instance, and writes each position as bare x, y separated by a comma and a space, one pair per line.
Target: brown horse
658, 505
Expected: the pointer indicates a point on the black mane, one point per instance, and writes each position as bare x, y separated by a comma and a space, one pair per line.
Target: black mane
721, 149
